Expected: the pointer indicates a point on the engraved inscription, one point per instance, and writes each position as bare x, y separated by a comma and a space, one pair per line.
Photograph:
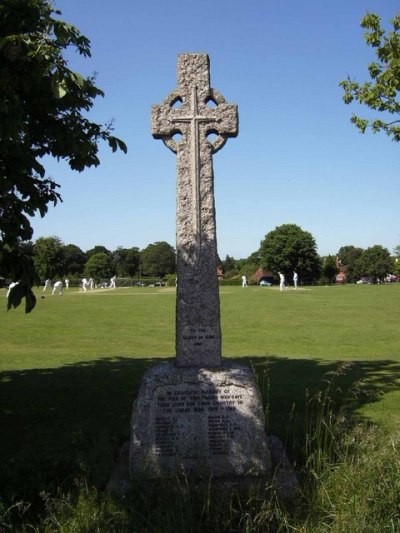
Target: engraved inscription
198, 336
221, 431
217, 407
165, 436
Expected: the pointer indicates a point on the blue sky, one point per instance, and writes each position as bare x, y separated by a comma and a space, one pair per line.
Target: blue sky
297, 159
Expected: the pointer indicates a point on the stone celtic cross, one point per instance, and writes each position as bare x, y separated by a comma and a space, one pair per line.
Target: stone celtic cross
194, 121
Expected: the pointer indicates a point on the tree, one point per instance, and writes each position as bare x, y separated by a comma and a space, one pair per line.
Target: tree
374, 263
329, 269
229, 267
158, 259
348, 256
249, 265
254, 258
48, 257
75, 260
288, 248
99, 266
43, 112
381, 93
127, 261
98, 249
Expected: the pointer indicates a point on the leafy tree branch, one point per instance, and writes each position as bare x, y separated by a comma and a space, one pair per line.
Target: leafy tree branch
382, 92
43, 112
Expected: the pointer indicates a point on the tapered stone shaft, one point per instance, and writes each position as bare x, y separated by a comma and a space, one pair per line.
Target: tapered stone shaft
186, 121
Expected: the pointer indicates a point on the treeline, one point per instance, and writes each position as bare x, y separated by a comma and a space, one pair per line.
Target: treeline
286, 249
50, 258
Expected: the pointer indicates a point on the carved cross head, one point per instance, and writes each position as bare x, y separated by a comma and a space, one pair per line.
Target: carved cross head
194, 112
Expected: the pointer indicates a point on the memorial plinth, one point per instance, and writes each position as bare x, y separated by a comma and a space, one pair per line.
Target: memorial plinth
198, 414
204, 422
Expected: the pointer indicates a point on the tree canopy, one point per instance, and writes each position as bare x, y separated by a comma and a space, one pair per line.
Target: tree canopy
43, 112
75, 260
375, 263
98, 249
381, 93
158, 259
329, 269
288, 248
48, 257
99, 266
127, 261
348, 256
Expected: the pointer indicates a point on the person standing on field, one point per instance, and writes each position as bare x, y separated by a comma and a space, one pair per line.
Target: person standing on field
244, 281
281, 281
295, 279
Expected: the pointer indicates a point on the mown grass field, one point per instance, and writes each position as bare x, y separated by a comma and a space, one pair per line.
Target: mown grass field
70, 370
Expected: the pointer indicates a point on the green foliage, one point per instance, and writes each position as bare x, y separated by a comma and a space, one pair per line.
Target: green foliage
74, 260
48, 257
288, 248
356, 483
171, 280
158, 259
99, 266
381, 93
126, 261
254, 258
16, 264
375, 262
249, 269
98, 249
329, 269
348, 256
230, 267
43, 112
230, 282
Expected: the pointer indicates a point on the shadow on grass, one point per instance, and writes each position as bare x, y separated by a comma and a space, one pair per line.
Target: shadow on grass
62, 424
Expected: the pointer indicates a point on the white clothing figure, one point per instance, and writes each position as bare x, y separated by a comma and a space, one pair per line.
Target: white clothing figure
84, 284
244, 281
11, 286
112, 282
295, 279
47, 283
66, 283
91, 283
282, 281
57, 286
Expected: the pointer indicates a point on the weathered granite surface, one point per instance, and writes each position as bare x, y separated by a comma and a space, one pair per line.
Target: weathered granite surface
198, 415
195, 110
204, 422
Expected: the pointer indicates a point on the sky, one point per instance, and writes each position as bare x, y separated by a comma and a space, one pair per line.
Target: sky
297, 158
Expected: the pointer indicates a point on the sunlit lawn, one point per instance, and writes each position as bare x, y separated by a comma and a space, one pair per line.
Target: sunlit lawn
331, 323
70, 370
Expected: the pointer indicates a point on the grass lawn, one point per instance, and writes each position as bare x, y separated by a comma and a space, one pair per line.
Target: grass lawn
70, 370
